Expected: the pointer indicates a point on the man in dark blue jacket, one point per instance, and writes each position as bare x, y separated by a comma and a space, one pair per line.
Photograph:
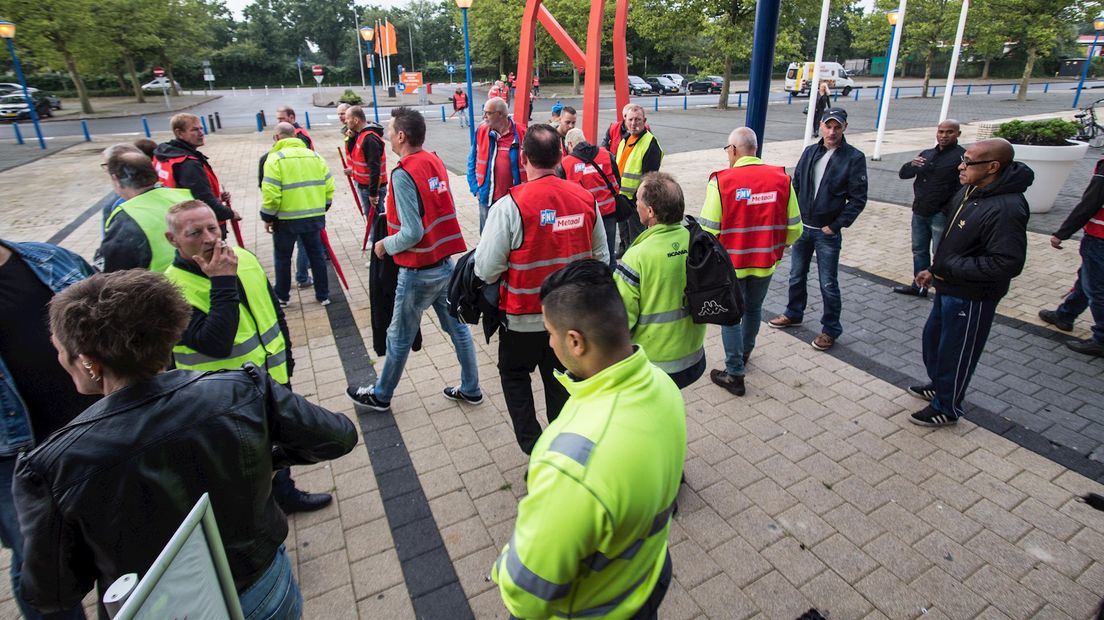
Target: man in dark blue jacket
830, 181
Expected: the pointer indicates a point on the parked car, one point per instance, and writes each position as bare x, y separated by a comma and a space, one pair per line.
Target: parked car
637, 86
11, 88
662, 85
14, 107
161, 83
7, 88
708, 84
676, 78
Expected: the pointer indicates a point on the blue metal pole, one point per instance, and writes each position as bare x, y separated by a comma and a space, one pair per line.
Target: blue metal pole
989, 91
443, 119
26, 94
657, 104
467, 63
969, 87
203, 122
372, 79
684, 102
1084, 70
260, 127
307, 114
762, 59
84, 128
885, 75
1046, 88
18, 134
145, 126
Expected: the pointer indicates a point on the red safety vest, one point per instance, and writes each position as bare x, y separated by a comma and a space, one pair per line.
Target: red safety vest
442, 237
302, 133
615, 136
586, 174
483, 151
754, 214
557, 221
460, 101
359, 163
166, 169
495, 92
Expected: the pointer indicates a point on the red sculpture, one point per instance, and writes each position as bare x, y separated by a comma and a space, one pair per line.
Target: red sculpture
588, 65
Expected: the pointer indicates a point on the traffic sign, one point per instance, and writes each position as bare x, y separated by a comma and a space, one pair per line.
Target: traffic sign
451, 68
317, 70
400, 87
158, 72
318, 78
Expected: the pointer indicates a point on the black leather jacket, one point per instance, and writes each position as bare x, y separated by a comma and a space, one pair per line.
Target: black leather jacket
102, 496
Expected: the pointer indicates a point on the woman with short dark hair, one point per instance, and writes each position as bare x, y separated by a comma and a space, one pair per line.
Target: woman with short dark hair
651, 278
103, 495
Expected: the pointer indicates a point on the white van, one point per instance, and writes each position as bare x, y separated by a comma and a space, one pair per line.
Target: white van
832, 73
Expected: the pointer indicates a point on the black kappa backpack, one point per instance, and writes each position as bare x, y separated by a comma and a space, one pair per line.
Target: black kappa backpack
712, 290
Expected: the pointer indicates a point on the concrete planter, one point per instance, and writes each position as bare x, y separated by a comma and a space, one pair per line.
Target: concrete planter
1052, 166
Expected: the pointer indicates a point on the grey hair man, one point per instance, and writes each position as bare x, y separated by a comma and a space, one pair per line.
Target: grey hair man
496, 162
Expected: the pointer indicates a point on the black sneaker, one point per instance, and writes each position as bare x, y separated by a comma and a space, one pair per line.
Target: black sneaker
732, 383
1050, 316
283, 303
925, 392
365, 396
454, 393
930, 417
1087, 346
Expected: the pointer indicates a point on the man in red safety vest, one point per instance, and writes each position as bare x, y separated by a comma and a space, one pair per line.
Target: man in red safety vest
594, 169
367, 160
753, 210
496, 162
423, 234
536, 229
284, 114
180, 164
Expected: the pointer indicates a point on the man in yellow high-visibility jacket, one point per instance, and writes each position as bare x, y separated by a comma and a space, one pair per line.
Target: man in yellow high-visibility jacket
235, 317
637, 155
590, 538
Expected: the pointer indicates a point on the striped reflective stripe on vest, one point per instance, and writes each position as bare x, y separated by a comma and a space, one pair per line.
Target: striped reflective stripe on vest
756, 250
297, 185
432, 225
550, 262
628, 274
663, 317
531, 582
435, 245
604, 609
240, 349
284, 215
573, 446
729, 231
682, 363
710, 224
521, 291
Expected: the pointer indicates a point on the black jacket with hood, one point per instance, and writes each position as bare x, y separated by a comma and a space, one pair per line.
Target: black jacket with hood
373, 150
842, 194
189, 174
985, 243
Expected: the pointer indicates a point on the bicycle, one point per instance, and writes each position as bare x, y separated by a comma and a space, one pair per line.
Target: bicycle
1089, 130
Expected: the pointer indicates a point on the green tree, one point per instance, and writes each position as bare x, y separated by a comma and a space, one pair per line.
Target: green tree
986, 33
59, 30
1037, 26
328, 24
130, 27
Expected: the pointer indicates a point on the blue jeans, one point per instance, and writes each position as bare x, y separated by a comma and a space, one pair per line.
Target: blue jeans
415, 292
275, 596
13, 539
301, 263
483, 210
308, 232
954, 337
827, 248
1088, 290
927, 231
365, 198
609, 223
739, 340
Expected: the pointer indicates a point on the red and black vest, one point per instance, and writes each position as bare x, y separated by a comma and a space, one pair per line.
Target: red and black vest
460, 101
1095, 226
359, 162
442, 237
166, 172
485, 155
586, 175
754, 214
304, 136
557, 221
614, 136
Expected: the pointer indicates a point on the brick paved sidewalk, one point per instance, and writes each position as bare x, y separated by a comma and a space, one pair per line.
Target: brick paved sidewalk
811, 491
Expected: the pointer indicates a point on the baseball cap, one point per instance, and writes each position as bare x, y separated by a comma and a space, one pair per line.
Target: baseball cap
834, 114
557, 107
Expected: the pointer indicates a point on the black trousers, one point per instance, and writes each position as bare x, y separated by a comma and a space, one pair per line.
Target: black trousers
519, 354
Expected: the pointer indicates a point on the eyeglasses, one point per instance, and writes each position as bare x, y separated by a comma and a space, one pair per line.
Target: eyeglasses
974, 162
730, 146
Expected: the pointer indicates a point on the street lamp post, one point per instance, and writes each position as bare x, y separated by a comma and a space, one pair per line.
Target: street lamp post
892, 17
7, 32
898, 20
464, 6
1098, 25
366, 34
